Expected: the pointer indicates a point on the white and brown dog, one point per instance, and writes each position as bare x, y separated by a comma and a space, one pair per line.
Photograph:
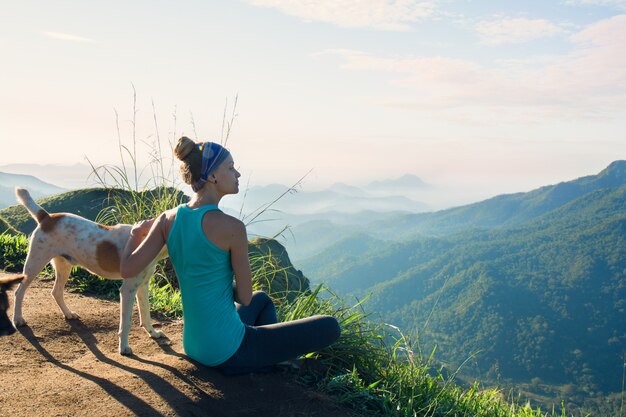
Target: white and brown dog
64, 240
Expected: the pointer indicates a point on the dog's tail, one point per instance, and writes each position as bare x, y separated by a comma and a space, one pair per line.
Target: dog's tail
35, 210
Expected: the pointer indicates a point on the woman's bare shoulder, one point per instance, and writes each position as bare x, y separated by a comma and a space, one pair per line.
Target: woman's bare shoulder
232, 221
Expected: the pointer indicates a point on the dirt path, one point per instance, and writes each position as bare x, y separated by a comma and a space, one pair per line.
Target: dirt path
55, 367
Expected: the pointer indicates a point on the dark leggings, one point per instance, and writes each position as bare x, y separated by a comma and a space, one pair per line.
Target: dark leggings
267, 342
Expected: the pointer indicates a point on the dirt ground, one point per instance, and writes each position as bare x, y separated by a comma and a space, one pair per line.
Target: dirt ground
58, 367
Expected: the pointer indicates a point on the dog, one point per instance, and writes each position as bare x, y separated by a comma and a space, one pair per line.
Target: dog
6, 327
65, 240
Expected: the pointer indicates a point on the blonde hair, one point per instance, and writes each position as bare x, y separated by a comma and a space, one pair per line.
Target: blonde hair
189, 154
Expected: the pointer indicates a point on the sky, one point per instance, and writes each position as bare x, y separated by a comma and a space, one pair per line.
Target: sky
492, 95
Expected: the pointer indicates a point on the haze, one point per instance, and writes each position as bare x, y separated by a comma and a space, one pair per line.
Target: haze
492, 96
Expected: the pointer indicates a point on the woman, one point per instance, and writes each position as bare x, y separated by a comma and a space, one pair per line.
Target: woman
206, 247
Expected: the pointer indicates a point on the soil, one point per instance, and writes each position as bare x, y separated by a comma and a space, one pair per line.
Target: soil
58, 367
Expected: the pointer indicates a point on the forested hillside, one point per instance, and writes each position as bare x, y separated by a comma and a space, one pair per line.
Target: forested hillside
88, 202
545, 298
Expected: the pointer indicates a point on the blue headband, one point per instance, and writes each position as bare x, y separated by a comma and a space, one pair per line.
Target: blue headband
213, 154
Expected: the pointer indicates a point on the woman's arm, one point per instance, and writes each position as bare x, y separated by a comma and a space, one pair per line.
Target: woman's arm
139, 252
241, 264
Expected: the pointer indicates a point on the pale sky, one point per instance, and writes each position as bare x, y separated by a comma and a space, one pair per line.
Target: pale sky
501, 95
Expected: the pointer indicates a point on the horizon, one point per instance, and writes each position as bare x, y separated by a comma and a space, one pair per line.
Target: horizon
428, 197
498, 98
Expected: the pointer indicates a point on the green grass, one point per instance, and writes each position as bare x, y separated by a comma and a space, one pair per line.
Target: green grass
375, 369
13, 249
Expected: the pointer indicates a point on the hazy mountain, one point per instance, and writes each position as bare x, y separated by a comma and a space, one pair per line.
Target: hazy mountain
37, 188
306, 234
406, 182
538, 294
348, 190
337, 198
501, 211
68, 177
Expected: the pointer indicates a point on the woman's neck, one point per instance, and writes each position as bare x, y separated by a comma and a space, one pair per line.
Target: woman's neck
204, 197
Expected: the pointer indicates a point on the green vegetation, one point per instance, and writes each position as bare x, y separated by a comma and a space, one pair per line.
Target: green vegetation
13, 249
273, 271
538, 306
6, 228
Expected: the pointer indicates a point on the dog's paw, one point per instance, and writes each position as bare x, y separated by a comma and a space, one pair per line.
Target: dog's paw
125, 350
156, 334
72, 316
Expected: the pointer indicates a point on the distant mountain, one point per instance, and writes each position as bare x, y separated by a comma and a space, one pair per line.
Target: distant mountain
501, 211
68, 177
308, 234
37, 188
537, 294
348, 190
338, 198
407, 181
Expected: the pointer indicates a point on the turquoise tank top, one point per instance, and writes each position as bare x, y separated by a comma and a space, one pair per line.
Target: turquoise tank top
212, 329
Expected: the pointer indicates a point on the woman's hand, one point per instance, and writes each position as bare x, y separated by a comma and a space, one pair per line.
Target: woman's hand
141, 228
147, 237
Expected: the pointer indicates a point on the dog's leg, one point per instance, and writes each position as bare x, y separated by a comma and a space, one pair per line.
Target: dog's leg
33, 265
127, 299
144, 309
62, 269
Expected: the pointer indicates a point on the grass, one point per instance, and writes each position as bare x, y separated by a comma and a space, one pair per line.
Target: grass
374, 369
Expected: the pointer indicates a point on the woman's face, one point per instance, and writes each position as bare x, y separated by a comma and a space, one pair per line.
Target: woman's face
227, 177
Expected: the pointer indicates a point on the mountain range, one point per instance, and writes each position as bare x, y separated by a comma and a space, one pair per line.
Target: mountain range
338, 198
521, 286
37, 187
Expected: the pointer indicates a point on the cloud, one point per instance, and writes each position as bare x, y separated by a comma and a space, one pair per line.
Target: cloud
66, 37
619, 4
394, 15
588, 81
506, 30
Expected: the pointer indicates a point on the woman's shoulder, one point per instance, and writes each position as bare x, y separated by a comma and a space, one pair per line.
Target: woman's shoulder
231, 221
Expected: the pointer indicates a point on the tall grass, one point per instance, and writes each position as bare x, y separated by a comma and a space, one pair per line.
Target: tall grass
144, 198
374, 368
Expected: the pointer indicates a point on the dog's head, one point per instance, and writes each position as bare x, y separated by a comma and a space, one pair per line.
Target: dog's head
6, 326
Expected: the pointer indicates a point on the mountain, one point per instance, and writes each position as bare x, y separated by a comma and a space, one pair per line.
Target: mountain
501, 211
407, 181
338, 198
538, 294
306, 234
89, 203
69, 177
38, 188
348, 190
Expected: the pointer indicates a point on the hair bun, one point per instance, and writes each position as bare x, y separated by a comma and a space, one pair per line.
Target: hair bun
184, 147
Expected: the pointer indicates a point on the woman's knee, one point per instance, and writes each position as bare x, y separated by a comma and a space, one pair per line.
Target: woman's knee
261, 297
331, 328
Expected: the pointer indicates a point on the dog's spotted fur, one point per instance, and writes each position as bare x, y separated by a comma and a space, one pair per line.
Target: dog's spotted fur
65, 240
